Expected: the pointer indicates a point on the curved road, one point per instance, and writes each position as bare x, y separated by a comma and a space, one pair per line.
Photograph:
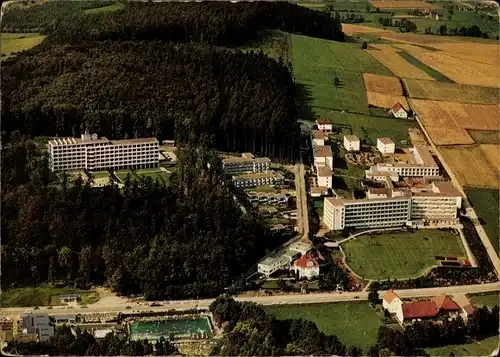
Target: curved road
264, 300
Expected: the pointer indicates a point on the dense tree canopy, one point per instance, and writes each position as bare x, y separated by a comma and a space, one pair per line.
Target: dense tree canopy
185, 240
218, 23
140, 89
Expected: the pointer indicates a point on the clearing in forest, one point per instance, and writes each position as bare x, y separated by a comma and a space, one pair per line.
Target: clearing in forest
472, 165
396, 255
451, 92
15, 42
403, 4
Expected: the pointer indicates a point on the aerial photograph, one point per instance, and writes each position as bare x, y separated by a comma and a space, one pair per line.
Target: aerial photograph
250, 178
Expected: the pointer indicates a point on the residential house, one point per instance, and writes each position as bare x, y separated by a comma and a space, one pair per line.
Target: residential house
386, 146
324, 175
307, 266
352, 143
417, 310
317, 138
391, 301
65, 298
324, 124
398, 111
446, 306
323, 156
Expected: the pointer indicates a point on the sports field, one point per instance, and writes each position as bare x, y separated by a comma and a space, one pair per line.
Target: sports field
400, 254
316, 64
15, 42
354, 323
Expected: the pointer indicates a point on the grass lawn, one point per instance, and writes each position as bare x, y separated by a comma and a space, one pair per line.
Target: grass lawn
430, 71
14, 42
318, 206
109, 8
490, 299
100, 174
155, 173
316, 63
354, 323
400, 254
477, 348
263, 189
122, 175
485, 202
42, 296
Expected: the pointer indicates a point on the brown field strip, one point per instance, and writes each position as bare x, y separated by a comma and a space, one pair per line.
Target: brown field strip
446, 122
411, 49
398, 65
350, 29
451, 92
382, 84
478, 52
492, 152
386, 101
471, 166
460, 70
403, 4
413, 38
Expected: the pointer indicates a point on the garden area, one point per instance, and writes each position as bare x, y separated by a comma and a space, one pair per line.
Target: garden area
400, 255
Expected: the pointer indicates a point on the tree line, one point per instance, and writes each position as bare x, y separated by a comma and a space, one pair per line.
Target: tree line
188, 239
239, 101
468, 31
218, 23
250, 331
65, 343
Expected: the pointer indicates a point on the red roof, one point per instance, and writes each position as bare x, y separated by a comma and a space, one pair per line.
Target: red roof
323, 121
397, 107
389, 296
469, 309
419, 309
306, 261
446, 303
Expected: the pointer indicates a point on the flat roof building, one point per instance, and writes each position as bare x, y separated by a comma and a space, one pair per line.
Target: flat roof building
246, 163
323, 156
93, 153
352, 143
258, 179
386, 146
317, 138
325, 176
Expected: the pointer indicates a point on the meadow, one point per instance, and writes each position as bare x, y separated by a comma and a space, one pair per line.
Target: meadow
15, 42
475, 348
397, 255
487, 299
354, 323
42, 296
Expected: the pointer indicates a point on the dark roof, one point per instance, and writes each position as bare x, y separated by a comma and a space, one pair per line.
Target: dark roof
419, 309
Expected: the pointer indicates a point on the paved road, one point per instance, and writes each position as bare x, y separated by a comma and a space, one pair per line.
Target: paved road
468, 208
264, 300
302, 211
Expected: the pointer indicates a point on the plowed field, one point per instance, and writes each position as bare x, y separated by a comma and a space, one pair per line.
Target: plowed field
403, 4
382, 84
451, 92
385, 100
471, 166
492, 152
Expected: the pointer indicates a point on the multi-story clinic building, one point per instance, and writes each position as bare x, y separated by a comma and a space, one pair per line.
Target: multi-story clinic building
258, 179
93, 153
246, 163
37, 323
436, 206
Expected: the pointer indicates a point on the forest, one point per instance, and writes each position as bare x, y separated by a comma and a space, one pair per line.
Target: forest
188, 239
242, 102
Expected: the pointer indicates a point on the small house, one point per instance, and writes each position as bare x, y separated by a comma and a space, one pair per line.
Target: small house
324, 175
66, 298
391, 301
324, 124
307, 266
386, 146
317, 138
398, 111
352, 143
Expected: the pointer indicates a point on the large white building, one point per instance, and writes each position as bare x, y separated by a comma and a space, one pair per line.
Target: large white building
435, 206
422, 165
93, 153
352, 143
323, 156
246, 163
386, 145
258, 179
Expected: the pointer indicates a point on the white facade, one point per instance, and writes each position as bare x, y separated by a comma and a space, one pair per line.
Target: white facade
386, 146
309, 272
399, 113
270, 265
323, 156
407, 170
93, 153
246, 163
325, 176
352, 143
258, 179
324, 125
391, 302
317, 138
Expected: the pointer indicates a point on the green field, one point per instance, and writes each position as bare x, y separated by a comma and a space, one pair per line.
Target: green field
490, 299
476, 348
354, 323
121, 175
317, 62
400, 254
15, 42
109, 8
154, 173
42, 296
485, 202
100, 174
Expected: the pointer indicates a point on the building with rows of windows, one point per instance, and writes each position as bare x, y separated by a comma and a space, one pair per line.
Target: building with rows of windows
246, 163
258, 179
436, 205
93, 153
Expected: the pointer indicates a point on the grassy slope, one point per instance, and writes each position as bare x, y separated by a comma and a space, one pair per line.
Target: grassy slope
42, 296
317, 62
12, 42
354, 323
113, 7
485, 203
405, 256
490, 299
